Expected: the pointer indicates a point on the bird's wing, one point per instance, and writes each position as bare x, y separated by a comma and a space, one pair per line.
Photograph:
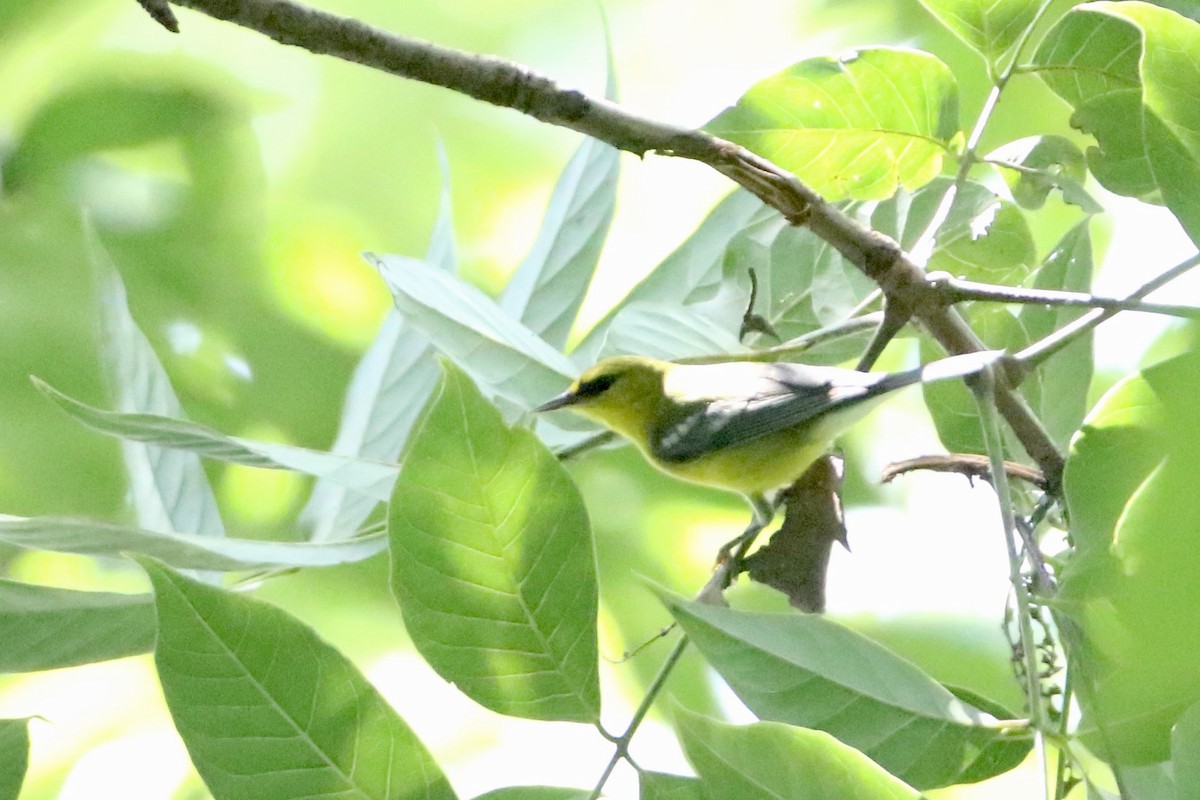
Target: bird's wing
774, 398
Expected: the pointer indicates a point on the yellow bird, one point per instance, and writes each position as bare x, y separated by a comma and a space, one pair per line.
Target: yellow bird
745, 426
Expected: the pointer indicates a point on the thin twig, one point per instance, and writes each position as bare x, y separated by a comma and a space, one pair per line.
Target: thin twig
969, 465
504, 83
983, 388
949, 289
798, 346
622, 741
1042, 349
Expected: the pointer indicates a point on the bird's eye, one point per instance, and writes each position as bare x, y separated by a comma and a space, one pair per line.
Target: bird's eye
596, 386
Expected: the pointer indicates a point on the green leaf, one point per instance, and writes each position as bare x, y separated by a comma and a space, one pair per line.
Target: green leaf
803, 284
168, 488
984, 238
1063, 382
547, 289
991, 27
48, 628
1185, 753
951, 404
661, 786
386, 394
1129, 71
689, 274
370, 478
492, 561
14, 756
1130, 589
806, 670
269, 710
769, 761
856, 126
467, 325
1042, 163
535, 793
183, 550
666, 331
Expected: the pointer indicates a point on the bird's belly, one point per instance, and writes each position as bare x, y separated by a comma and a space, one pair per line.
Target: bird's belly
755, 467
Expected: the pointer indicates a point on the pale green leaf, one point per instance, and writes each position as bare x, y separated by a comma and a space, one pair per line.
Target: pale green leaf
1130, 590
989, 26
45, 627
691, 273
372, 479
168, 488
183, 550
1130, 71
535, 793
492, 561
270, 711
1042, 163
386, 394
803, 669
548, 287
770, 761
1185, 754
1063, 381
467, 325
662, 786
859, 125
14, 756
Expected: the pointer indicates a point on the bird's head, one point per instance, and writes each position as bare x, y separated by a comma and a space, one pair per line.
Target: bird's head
621, 393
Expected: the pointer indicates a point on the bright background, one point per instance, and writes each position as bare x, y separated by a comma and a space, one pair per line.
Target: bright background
236, 181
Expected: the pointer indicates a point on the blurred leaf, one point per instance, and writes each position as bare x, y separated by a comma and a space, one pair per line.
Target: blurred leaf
269, 710
1128, 70
14, 756
492, 561
49, 628
184, 550
989, 26
368, 477
855, 126
168, 488
387, 392
1064, 380
984, 239
1042, 163
663, 330
951, 404
547, 289
692, 272
465, 324
661, 786
806, 670
131, 100
803, 284
535, 793
1130, 590
1185, 754
776, 762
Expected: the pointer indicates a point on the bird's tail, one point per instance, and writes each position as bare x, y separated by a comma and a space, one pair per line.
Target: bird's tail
943, 369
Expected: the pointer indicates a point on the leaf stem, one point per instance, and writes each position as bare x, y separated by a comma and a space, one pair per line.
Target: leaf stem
622, 741
984, 395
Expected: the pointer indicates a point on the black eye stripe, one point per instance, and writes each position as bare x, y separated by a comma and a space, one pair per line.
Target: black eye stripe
596, 386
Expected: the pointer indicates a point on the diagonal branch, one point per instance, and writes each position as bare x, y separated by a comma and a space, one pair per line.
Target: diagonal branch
504, 83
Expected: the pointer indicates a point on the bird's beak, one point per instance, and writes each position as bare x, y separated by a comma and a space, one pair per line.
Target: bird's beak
567, 398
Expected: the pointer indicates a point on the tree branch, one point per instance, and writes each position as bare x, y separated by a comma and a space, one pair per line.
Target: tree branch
504, 83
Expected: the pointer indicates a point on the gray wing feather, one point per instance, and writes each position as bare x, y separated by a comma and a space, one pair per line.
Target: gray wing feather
786, 395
